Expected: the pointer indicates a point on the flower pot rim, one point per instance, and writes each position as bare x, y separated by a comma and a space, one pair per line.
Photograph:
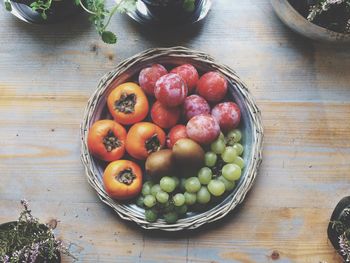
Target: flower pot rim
298, 23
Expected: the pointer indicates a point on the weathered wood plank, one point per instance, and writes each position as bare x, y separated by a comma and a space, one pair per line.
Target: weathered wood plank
253, 233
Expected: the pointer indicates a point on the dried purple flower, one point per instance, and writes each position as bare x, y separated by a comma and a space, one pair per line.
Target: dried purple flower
344, 245
28, 240
34, 252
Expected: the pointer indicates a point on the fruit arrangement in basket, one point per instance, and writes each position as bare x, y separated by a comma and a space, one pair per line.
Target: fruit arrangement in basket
173, 145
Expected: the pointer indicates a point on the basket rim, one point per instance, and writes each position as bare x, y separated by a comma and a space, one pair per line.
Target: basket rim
257, 132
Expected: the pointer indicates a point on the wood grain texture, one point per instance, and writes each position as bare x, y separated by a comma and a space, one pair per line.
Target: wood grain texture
47, 73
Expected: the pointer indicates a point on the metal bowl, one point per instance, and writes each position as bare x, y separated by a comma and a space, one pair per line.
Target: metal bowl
293, 19
59, 11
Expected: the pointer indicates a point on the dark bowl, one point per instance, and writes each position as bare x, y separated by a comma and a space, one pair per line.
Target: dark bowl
59, 11
339, 215
173, 12
294, 20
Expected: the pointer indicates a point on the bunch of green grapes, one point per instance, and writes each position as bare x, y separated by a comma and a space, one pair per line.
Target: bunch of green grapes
223, 164
163, 199
171, 197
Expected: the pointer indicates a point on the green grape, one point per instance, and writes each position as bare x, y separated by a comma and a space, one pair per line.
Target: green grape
190, 198
169, 207
233, 137
179, 199
229, 185
177, 181
204, 175
181, 210
149, 201
170, 217
210, 159
167, 184
229, 154
151, 215
239, 161
221, 136
231, 172
218, 146
182, 184
192, 185
216, 187
146, 188
187, 173
162, 197
203, 195
239, 148
139, 201
155, 189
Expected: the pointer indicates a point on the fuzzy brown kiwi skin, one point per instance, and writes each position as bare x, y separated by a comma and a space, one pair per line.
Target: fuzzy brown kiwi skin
188, 153
160, 163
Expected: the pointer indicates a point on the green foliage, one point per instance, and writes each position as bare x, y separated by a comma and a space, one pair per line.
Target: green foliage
109, 37
188, 5
323, 7
27, 240
8, 6
41, 6
101, 16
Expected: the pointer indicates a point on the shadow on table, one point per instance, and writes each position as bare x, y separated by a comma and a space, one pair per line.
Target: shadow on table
61, 32
193, 233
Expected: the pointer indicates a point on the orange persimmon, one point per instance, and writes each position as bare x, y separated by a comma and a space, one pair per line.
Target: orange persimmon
106, 140
122, 179
144, 138
128, 103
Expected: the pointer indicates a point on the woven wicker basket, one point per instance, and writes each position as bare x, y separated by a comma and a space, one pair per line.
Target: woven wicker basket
251, 126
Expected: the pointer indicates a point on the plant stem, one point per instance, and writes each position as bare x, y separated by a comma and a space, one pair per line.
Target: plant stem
115, 9
85, 8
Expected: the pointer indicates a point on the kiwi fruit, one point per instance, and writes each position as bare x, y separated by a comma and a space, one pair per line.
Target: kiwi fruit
160, 163
188, 154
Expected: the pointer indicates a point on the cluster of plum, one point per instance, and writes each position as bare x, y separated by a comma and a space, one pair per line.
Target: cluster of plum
174, 131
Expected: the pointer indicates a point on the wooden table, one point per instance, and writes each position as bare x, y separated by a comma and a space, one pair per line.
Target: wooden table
47, 74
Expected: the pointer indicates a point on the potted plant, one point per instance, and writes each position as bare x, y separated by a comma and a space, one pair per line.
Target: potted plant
28, 240
47, 11
326, 20
173, 11
339, 228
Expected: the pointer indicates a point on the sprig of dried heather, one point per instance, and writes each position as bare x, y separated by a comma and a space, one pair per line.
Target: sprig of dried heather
29, 241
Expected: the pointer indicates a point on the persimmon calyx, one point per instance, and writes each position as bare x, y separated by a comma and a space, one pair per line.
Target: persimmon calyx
152, 144
126, 176
111, 141
126, 103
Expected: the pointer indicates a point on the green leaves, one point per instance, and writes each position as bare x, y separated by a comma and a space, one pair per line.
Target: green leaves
127, 6
101, 17
109, 37
8, 5
41, 6
188, 5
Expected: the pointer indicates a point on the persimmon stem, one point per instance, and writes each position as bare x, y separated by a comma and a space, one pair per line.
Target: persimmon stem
111, 141
126, 176
152, 144
126, 103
